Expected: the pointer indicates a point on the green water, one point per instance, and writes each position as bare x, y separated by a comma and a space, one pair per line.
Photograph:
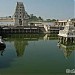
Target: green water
35, 55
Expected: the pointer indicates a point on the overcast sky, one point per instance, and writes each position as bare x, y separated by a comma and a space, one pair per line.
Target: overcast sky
58, 9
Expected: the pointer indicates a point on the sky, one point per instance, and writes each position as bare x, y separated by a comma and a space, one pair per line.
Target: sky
58, 9
74, 8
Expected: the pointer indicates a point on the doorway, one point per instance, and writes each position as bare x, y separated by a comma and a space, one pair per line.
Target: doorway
20, 21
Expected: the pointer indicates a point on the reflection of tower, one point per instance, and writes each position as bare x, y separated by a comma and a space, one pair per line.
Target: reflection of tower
67, 52
21, 16
21, 41
20, 46
67, 49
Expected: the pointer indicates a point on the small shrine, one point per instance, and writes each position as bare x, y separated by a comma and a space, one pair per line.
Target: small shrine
67, 35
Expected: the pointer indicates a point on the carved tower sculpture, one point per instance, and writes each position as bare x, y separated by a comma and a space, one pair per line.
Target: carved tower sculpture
21, 16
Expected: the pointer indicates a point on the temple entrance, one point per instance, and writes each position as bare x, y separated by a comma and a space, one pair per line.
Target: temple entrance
20, 21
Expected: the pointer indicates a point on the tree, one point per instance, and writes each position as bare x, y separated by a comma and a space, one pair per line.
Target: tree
53, 20
39, 18
73, 19
48, 20
32, 17
35, 18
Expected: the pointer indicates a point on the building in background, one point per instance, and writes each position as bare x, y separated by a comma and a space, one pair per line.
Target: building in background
20, 17
7, 21
18, 23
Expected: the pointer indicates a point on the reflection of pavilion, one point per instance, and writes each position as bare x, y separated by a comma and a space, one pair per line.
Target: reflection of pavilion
67, 49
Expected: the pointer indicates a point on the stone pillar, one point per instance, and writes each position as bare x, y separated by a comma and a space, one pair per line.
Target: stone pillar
59, 39
64, 39
73, 39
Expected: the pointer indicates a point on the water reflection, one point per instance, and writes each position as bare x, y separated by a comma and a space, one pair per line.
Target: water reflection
50, 37
21, 40
40, 55
2, 50
67, 49
2, 47
20, 45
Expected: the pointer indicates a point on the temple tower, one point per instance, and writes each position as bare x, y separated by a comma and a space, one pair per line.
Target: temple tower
21, 16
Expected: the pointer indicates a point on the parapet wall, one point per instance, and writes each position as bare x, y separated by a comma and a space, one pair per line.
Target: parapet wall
6, 19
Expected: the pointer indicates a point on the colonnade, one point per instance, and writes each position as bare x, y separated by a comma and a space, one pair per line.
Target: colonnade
66, 40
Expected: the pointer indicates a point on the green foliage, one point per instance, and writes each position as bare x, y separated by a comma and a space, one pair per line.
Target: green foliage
73, 19
49, 20
53, 20
40, 19
35, 18
32, 18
